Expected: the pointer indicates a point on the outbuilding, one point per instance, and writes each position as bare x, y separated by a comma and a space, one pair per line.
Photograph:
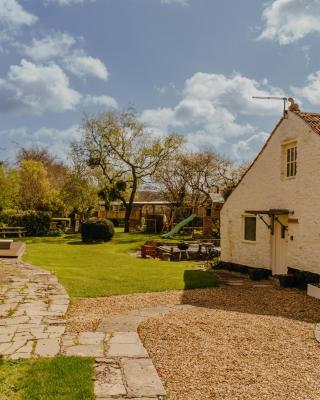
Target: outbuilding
271, 221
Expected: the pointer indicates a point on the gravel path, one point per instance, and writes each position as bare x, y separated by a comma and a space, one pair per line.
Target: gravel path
239, 343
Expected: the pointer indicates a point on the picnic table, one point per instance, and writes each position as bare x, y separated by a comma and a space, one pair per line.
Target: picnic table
7, 231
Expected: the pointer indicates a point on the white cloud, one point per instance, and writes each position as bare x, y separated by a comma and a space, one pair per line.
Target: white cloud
210, 108
311, 91
247, 150
56, 140
35, 89
104, 101
180, 2
59, 47
50, 47
12, 14
83, 65
68, 2
287, 21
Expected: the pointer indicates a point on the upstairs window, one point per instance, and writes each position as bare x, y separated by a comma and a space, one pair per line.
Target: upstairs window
250, 229
291, 160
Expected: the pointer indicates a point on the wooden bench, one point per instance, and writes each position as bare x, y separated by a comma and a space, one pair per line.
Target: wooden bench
7, 231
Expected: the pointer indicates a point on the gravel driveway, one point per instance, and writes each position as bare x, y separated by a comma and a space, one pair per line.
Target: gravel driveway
239, 343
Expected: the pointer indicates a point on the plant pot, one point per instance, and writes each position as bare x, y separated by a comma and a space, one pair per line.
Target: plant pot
257, 274
287, 281
313, 291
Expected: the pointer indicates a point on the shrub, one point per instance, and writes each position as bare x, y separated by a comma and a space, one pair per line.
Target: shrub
54, 233
97, 230
37, 223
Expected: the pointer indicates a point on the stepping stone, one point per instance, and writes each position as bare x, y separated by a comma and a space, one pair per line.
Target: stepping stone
127, 350
125, 338
84, 350
91, 337
47, 347
108, 381
142, 378
121, 323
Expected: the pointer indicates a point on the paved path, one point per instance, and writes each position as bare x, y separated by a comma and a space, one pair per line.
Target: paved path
32, 308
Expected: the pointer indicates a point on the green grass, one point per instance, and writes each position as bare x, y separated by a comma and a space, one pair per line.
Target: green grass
59, 378
93, 270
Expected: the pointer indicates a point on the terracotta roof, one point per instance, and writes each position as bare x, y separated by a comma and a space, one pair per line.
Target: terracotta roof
311, 119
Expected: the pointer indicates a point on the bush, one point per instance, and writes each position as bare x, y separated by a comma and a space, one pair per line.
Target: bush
54, 233
36, 223
97, 230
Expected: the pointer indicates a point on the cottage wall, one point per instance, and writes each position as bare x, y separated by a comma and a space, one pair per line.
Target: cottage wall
264, 188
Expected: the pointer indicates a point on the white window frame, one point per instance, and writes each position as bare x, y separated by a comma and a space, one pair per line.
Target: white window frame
290, 159
244, 216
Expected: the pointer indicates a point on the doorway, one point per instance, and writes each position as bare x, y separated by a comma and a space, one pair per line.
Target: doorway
280, 245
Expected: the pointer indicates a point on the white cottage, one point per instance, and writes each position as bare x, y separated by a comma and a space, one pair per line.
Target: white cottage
272, 219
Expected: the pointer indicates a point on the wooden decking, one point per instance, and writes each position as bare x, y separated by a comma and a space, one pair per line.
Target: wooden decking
16, 251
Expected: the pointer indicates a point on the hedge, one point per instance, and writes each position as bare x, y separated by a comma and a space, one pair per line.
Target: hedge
36, 223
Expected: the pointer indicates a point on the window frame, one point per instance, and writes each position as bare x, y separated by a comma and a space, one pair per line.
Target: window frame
244, 217
290, 159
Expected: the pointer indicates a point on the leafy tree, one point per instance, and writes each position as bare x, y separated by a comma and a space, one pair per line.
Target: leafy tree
125, 154
34, 186
9, 187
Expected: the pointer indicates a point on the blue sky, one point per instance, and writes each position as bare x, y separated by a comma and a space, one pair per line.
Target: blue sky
189, 66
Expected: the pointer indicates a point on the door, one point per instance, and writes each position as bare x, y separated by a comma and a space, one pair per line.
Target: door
280, 245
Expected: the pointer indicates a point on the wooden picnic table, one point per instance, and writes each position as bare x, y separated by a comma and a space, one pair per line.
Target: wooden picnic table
6, 231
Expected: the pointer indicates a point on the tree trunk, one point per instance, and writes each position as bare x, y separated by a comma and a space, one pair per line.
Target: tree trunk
127, 218
129, 205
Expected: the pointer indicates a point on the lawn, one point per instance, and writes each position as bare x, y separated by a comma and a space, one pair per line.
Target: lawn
98, 270
58, 378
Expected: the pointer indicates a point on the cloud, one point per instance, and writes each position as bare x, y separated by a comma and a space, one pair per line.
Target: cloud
210, 108
49, 47
287, 21
56, 140
13, 17
68, 2
59, 47
35, 89
83, 65
104, 101
246, 150
180, 2
311, 91
12, 14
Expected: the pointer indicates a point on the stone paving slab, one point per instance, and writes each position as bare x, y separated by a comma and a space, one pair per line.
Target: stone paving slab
142, 378
31, 312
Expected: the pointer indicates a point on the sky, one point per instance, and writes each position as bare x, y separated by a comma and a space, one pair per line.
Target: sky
186, 66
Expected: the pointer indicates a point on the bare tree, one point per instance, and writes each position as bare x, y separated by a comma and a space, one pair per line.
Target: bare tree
125, 154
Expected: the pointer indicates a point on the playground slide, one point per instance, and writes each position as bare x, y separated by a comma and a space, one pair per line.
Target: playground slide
178, 227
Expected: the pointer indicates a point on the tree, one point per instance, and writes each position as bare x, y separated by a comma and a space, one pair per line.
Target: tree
57, 170
231, 177
171, 181
9, 187
34, 186
125, 153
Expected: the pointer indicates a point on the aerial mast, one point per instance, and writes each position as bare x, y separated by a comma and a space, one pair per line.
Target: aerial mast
284, 99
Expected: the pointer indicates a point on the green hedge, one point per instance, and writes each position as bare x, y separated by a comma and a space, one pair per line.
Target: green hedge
97, 230
37, 223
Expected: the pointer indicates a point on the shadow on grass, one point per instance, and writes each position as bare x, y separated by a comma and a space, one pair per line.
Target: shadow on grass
197, 278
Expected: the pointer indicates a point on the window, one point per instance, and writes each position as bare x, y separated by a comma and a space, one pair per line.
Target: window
250, 228
291, 157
